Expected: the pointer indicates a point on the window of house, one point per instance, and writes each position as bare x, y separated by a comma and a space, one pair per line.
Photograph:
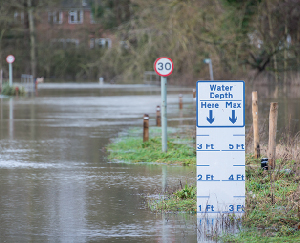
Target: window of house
92, 43
65, 43
103, 42
76, 17
19, 17
92, 20
55, 17
84, 3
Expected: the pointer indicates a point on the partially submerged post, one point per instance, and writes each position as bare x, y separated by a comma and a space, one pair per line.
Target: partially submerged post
158, 116
272, 134
146, 128
180, 102
255, 125
163, 67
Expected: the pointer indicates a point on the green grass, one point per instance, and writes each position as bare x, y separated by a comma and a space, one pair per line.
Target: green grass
183, 200
133, 149
272, 212
11, 90
272, 204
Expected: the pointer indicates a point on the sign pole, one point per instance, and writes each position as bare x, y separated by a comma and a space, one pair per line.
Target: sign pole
10, 59
164, 113
211, 71
163, 66
10, 74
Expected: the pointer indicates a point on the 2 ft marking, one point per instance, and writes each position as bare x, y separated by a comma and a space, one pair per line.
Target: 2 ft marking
207, 178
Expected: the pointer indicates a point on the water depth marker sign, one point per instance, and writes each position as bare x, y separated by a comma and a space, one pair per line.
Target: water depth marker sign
220, 147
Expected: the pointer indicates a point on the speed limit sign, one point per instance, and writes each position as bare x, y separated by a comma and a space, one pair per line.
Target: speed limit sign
163, 66
10, 58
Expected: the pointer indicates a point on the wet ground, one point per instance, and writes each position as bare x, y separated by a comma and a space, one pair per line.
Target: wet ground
56, 183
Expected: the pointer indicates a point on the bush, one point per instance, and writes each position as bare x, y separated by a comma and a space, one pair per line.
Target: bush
11, 90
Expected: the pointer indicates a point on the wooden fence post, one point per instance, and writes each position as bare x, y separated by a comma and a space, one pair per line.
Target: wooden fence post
158, 116
272, 134
194, 93
255, 125
146, 128
180, 101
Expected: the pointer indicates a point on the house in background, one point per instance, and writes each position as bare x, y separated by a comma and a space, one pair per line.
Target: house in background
71, 23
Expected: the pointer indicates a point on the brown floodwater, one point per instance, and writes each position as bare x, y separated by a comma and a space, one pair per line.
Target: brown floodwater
56, 182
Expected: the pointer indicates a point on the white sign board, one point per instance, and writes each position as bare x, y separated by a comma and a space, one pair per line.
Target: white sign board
220, 147
163, 66
10, 58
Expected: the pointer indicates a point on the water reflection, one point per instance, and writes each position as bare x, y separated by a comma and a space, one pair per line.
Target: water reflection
56, 181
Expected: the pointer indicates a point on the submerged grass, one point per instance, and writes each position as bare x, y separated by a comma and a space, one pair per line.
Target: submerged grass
181, 200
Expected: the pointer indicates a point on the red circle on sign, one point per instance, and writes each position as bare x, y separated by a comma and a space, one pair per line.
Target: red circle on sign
163, 66
10, 58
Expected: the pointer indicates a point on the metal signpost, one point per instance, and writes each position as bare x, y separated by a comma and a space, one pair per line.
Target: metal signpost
10, 59
220, 148
209, 62
163, 67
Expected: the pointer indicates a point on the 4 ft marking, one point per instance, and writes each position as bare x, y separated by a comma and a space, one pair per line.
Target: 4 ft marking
238, 177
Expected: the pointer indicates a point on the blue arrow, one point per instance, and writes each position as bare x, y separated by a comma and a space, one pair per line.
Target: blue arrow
210, 119
233, 118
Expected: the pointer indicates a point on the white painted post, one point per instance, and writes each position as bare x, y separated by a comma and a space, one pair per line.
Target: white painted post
211, 71
164, 113
10, 74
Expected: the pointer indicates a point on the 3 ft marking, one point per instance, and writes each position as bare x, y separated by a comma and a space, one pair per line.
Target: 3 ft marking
205, 146
237, 208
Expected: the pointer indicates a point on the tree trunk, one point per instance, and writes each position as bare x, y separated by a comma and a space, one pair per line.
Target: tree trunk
33, 61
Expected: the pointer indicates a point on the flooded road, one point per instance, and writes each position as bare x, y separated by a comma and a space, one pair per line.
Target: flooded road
56, 183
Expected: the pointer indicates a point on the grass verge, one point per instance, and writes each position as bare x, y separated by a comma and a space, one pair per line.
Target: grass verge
272, 212
12, 90
133, 149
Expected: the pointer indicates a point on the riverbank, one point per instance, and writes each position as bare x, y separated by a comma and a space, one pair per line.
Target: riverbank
272, 211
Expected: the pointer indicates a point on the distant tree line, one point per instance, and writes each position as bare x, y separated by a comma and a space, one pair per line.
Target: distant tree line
244, 38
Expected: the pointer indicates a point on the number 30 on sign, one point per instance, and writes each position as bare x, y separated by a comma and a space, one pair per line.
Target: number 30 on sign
163, 66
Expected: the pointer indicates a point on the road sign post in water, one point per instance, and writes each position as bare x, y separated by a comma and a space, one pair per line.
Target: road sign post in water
220, 147
163, 67
10, 59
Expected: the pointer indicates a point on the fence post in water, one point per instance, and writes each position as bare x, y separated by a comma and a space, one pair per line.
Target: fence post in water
146, 128
255, 125
272, 134
180, 101
158, 116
